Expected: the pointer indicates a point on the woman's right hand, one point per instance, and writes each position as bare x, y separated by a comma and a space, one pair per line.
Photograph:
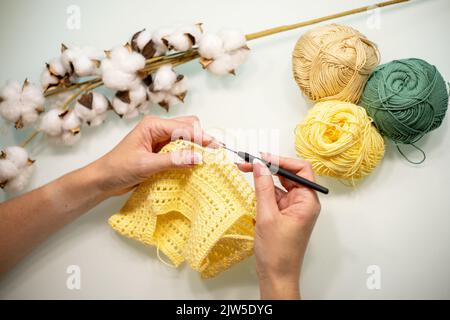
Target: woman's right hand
284, 223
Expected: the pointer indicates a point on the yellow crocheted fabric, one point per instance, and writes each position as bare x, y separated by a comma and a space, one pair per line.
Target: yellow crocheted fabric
203, 215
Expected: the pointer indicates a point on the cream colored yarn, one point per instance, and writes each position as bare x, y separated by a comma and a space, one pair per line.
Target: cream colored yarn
339, 140
203, 215
333, 62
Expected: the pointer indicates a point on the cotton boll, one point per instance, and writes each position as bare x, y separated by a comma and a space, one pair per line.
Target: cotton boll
8, 170
10, 112
180, 41
193, 30
172, 101
21, 104
164, 78
83, 112
20, 181
57, 67
119, 71
91, 106
100, 103
51, 123
157, 97
222, 65
127, 60
98, 120
141, 39
238, 57
116, 79
180, 87
210, 46
48, 79
119, 106
11, 91
232, 39
83, 60
138, 95
158, 39
71, 121
144, 107
32, 95
68, 138
17, 155
132, 113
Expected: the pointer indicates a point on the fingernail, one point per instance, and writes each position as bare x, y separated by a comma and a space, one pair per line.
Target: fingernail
260, 169
192, 157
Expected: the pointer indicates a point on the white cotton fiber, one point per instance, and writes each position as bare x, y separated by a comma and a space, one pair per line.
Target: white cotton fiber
7, 170
20, 181
138, 95
132, 113
15, 169
164, 78
227, 50
47, 79
9, 111
119, 71
137, 99
144, 107
221, 65
180, 41
71, 121
238, 57
157, 39
157, 97
56, 67
98, 120
143, 38
17, 155
68, 138
83, 60
11, 91
100, 103
95, 113
119, 106
51, 123
179, 87
232, 39
210, 46
21, 102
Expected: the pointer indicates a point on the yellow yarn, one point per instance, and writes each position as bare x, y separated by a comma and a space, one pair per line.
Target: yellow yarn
339, 140
333, 62
203, 215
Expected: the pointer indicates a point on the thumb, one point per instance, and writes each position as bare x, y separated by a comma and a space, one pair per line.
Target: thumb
266, 204
174, 159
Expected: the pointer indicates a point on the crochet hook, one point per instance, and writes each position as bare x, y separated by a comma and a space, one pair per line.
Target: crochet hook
279, 171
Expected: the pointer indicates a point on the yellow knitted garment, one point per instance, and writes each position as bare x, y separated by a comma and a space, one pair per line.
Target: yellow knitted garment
203, 215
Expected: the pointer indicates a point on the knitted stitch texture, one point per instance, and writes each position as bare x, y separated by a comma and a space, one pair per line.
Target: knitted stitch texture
203, 215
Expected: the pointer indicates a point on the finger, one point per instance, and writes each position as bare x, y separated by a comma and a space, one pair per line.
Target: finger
300, 167
266, 205
165, 130
206, 139
171, 160
245, 166
279, 194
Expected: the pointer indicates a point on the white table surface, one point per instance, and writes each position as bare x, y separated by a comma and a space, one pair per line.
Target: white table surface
397, 219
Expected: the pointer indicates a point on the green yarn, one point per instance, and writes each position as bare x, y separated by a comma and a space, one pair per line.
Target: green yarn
406, 99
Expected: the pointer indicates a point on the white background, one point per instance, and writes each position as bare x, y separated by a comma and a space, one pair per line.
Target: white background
398, 218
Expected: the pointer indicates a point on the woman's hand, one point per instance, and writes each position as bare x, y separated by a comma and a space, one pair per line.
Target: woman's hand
135, 158
284, 223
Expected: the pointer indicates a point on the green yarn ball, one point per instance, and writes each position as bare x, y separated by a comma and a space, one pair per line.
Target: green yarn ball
406, 99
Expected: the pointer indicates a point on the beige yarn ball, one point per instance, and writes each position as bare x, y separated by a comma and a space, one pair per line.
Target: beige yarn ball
333, 62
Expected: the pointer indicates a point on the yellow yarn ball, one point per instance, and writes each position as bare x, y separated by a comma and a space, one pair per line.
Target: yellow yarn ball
339, 140
333, 62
